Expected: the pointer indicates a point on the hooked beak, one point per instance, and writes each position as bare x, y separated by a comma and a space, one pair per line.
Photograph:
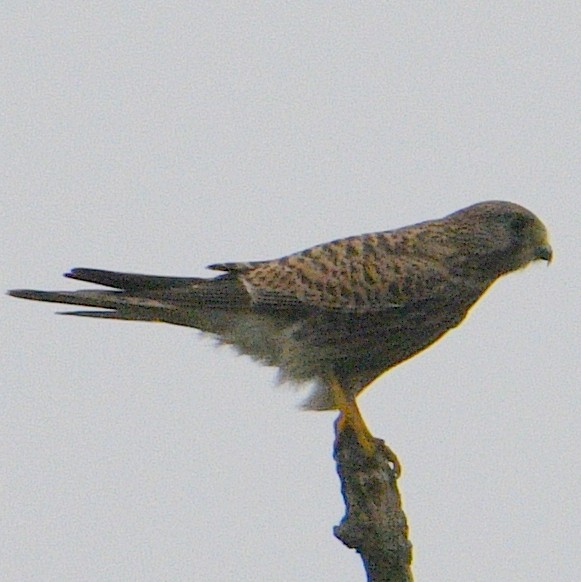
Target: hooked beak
545, 253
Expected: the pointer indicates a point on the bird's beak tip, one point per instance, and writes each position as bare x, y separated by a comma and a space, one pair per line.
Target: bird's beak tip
545, 253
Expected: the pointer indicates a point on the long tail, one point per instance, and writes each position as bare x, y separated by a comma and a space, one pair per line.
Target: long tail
145, 297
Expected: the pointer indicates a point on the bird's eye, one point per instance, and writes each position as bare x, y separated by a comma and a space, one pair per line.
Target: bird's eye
518, 224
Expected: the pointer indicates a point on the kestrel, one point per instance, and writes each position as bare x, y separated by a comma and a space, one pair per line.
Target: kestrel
339, 314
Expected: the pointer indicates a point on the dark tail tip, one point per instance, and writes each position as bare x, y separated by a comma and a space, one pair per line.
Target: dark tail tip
26, 294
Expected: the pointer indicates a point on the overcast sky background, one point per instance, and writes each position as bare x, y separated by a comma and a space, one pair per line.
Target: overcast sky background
160, 138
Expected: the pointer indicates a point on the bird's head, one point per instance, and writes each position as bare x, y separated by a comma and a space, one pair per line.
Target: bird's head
504, 235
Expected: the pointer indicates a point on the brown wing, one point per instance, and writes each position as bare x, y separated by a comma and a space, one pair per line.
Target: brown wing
370, 273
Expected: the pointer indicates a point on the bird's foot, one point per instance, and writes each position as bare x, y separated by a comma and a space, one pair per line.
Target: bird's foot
351, 421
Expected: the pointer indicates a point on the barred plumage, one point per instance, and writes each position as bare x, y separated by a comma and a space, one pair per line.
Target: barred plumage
345, 311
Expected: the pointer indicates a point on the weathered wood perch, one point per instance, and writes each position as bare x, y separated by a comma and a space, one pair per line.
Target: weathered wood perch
374, 523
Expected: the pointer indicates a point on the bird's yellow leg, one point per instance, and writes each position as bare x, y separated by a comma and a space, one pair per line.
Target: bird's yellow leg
350, 417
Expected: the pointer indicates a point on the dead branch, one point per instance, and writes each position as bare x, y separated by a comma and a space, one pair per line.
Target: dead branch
374, 523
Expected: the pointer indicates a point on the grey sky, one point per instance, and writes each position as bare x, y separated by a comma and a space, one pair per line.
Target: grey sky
161, 138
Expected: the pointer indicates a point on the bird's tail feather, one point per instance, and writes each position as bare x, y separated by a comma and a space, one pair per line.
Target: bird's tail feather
178, 300
120, 304
106, 299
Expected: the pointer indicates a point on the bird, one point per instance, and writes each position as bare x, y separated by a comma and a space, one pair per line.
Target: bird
336, 315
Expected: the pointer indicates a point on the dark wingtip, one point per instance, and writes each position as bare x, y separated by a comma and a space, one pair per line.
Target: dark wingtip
81, 274
99, 277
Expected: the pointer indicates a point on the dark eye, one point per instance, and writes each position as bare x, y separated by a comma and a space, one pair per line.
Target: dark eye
519, 223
